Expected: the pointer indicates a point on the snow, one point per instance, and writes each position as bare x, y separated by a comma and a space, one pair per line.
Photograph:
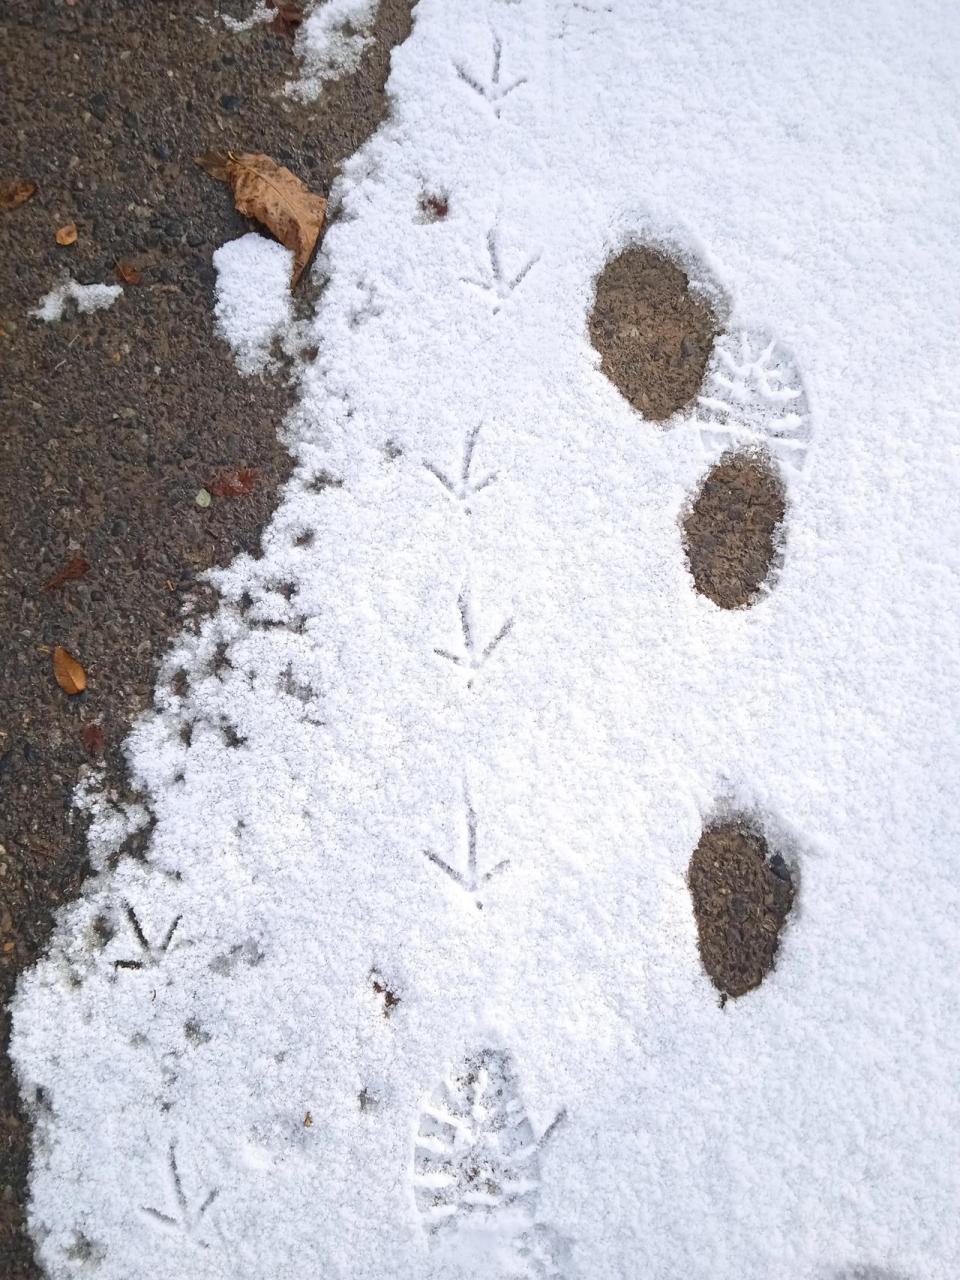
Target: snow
253, 298
331, 43
241, 1105
88, 297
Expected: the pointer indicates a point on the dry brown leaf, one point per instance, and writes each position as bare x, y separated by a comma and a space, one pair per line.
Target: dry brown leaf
127, 273
234, 484
275, 197
67, 234
289, 16
69, 674
15, 191
74, 568
216, 163
93, 738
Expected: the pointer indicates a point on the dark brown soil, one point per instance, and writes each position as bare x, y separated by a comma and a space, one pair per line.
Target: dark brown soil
732, 530
654, 336
742, 896
112, 422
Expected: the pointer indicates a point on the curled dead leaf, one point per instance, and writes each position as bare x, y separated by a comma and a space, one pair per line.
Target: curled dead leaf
127, 272
67, 234
275, 197
74, 568
15, 191
234, 484
69, 674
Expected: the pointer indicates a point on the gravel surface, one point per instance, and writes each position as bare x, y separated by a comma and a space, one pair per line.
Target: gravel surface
113, 421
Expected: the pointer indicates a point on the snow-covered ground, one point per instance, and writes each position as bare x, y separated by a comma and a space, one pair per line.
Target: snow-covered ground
413, 926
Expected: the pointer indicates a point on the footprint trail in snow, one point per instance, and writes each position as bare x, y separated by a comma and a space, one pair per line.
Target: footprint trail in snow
462, 724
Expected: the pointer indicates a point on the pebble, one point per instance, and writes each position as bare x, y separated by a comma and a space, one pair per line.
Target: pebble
229, 101
203, 499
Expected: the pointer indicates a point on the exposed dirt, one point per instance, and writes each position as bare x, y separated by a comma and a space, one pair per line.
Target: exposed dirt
112, 422
654, 336
742, 895
732, 530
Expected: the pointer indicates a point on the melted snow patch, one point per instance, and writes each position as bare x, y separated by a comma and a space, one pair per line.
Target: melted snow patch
112, 820
88, 297
261, 13
331, 43
253, 298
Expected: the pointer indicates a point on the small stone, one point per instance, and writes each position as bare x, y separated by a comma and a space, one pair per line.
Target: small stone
162, 151
229, 101
127, 413
203, 499
194, 239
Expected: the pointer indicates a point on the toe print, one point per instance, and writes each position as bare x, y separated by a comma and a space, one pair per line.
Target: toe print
654, 335
476, 1161
742, 895
733, 529
753, 396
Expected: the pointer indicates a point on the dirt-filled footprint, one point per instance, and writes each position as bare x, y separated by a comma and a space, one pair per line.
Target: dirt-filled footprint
742, 895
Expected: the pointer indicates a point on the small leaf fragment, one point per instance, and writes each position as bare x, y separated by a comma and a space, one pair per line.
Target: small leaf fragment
216, 163
275, 197
73, 569
234, 484
69, 674
289, 16
67, 234
93, 738
14, 191
127, 272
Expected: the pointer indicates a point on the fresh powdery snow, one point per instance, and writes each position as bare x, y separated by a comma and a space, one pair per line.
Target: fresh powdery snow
406, 983
87, 297
253, 298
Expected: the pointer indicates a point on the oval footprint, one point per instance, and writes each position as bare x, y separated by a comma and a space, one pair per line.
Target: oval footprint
653, 333
753, 411
742, 895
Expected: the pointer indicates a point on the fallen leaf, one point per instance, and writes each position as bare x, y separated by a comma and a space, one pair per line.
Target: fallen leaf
93, 738
67, 234
127, 273
216, 163
70, 676
74, 568
275, 197
234, 484
15, 191
435, 207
